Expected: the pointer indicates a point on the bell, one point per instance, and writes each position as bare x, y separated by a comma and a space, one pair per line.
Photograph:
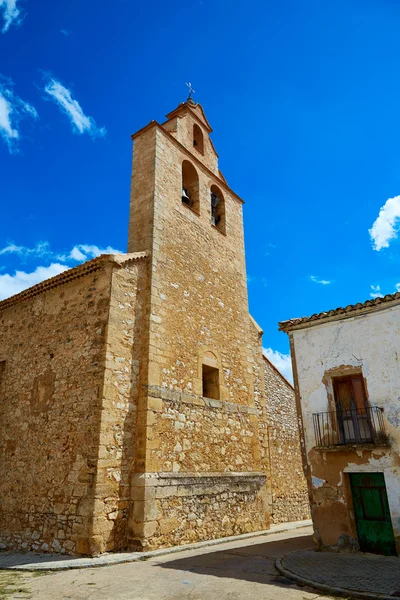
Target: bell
185, 197
214, 200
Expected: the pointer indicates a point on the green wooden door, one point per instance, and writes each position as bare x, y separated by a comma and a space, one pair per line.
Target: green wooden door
371, 510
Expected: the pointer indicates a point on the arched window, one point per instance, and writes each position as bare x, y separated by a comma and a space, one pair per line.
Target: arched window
218, 209
190, 186
198, 138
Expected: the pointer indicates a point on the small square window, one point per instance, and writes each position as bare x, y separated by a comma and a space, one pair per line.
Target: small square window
210, 382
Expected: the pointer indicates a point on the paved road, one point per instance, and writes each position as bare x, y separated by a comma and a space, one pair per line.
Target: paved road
232, 571
368, 573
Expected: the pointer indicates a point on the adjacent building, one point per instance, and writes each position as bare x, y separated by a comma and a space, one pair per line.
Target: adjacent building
347, 373
136, 408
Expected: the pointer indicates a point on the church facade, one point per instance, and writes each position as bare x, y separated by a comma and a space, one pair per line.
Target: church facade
136, 408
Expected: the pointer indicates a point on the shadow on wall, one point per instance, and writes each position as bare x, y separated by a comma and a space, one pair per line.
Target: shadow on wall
132, 430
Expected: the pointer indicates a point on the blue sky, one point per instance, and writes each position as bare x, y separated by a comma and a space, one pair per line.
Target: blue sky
304, 100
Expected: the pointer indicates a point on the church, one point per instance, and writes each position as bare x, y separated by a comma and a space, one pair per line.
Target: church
137, 410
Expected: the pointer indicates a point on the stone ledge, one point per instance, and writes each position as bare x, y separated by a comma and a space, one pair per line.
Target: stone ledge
351, 447
155, 391
196, 484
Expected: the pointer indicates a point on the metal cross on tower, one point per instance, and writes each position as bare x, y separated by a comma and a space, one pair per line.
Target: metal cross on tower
191, 90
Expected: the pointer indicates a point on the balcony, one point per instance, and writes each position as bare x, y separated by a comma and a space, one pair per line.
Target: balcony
350, 427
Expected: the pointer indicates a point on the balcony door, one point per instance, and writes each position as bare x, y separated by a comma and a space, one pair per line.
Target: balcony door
353, 418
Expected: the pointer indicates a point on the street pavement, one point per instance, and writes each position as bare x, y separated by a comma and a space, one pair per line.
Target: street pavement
240, 570
368, 573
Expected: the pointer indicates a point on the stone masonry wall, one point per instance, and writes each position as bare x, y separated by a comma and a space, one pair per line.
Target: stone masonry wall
288, 483
185, 135
198, 308
68, 400
203, 506
50, 399
117, 439
255, 344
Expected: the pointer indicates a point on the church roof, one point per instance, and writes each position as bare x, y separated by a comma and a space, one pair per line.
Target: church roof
85, 268
352, 310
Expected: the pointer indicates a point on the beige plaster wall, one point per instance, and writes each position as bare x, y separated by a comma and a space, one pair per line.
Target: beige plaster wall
368, 343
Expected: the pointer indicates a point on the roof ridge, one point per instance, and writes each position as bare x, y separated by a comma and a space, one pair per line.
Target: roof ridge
345, 312
70, 274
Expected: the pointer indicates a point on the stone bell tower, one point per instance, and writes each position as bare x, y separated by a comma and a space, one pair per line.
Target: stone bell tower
198, 470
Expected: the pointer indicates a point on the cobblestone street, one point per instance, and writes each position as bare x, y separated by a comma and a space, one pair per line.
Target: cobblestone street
230, 571
368, 573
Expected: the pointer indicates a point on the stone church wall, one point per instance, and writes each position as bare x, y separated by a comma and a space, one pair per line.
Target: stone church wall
260, 402
50, 399
106, 439
68, 399
288, 483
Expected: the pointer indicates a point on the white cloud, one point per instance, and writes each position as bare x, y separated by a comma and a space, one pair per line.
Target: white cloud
376, 291
65, 32
281, 361
5, 119
84, 252
12, 110
13, 284
80, 122
78, 253
10, 13
397, 286
271, 246
321, 281
41, 249
385, 228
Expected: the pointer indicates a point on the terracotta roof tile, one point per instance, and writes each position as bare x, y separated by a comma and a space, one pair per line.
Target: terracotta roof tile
348, 311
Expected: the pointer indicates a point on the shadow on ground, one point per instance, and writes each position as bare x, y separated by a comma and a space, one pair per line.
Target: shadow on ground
254, 563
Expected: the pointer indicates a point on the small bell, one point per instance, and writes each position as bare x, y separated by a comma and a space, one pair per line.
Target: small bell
186, 197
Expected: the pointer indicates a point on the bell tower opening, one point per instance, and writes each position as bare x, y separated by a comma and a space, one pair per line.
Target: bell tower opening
217, 209
198, 140
190, 186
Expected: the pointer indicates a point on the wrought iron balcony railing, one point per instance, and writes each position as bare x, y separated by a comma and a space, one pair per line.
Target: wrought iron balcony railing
354, 426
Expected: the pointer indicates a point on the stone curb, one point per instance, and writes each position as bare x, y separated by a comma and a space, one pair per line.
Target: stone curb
337, 591
115, 559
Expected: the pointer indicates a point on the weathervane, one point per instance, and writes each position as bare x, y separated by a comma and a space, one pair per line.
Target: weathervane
191, 90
